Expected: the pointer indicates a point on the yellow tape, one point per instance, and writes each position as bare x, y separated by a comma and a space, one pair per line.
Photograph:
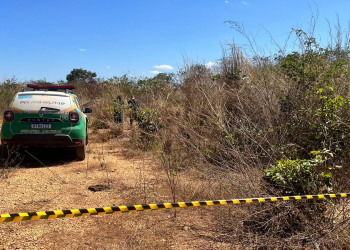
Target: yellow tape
147, 207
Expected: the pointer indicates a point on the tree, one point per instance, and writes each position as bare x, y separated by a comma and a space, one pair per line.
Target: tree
80, 75
166, 77
158, 82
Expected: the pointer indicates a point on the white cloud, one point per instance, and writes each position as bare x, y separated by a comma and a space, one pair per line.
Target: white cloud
226, 1
82, 50
155, 72
163, 66
108, 67
245, 3
210, 64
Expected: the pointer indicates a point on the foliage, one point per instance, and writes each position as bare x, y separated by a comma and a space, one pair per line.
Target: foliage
322, 125
331, 120
292, 177
124, 82
42, 82
313, 66
315, 107
8, 89
80, 75
155, 84
149, 120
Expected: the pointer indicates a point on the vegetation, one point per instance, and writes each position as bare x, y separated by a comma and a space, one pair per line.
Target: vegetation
80, 75
250, 122
302, 176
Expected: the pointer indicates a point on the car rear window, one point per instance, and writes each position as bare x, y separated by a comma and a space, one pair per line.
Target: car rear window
35, 102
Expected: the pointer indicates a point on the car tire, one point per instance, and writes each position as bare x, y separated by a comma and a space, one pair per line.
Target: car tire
80, 152
4, 151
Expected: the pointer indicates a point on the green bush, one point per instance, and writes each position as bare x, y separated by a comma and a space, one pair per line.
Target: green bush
149, 120
292, 177
324, 124
331, 121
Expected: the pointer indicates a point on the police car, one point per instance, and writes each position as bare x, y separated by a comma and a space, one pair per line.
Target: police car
45, 116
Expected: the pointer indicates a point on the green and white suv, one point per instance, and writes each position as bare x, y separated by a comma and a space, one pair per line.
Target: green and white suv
45, 116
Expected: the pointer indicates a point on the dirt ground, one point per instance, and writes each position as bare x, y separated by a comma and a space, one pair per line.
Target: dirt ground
49, 179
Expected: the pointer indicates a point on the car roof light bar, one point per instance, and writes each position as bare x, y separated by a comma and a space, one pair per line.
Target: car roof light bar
31, 87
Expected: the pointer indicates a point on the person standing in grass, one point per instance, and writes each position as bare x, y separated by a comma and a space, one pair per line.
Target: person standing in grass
118, 110
134, 107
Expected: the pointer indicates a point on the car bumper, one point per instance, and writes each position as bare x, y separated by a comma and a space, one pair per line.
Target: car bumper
43, 140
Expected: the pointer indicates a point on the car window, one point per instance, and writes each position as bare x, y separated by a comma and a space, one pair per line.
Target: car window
34, 102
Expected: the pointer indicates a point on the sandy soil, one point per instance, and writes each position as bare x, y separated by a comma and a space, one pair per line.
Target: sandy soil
58, 182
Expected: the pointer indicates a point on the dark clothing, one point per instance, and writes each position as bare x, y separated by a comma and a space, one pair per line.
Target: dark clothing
133, 104
118, 117
134, 107
118, 110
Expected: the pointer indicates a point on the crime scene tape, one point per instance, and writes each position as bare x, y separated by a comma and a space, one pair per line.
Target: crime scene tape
148, 207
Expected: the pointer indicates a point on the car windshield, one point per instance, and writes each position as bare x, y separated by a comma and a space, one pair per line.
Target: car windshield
35, 102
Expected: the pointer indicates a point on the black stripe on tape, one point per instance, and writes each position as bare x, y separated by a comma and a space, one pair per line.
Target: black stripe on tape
84, 211
100, 210
161, 205
131, 208
116, 209
67, 211
146, 206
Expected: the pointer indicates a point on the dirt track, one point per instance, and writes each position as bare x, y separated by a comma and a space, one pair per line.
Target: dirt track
64, 184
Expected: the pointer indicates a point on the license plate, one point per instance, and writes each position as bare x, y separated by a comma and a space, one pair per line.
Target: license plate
41, 125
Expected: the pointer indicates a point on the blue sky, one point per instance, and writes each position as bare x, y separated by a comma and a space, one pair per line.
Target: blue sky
46, 39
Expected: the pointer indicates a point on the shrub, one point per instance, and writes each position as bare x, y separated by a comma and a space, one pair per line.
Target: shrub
291, 177
149, 120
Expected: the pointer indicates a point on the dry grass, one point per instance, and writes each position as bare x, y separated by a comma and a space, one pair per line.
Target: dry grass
140, 179
33, 187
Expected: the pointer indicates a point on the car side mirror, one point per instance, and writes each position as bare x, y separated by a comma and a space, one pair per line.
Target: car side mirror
87, 110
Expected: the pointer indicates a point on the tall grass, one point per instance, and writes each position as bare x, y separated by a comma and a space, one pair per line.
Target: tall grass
8, 88
245, 115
